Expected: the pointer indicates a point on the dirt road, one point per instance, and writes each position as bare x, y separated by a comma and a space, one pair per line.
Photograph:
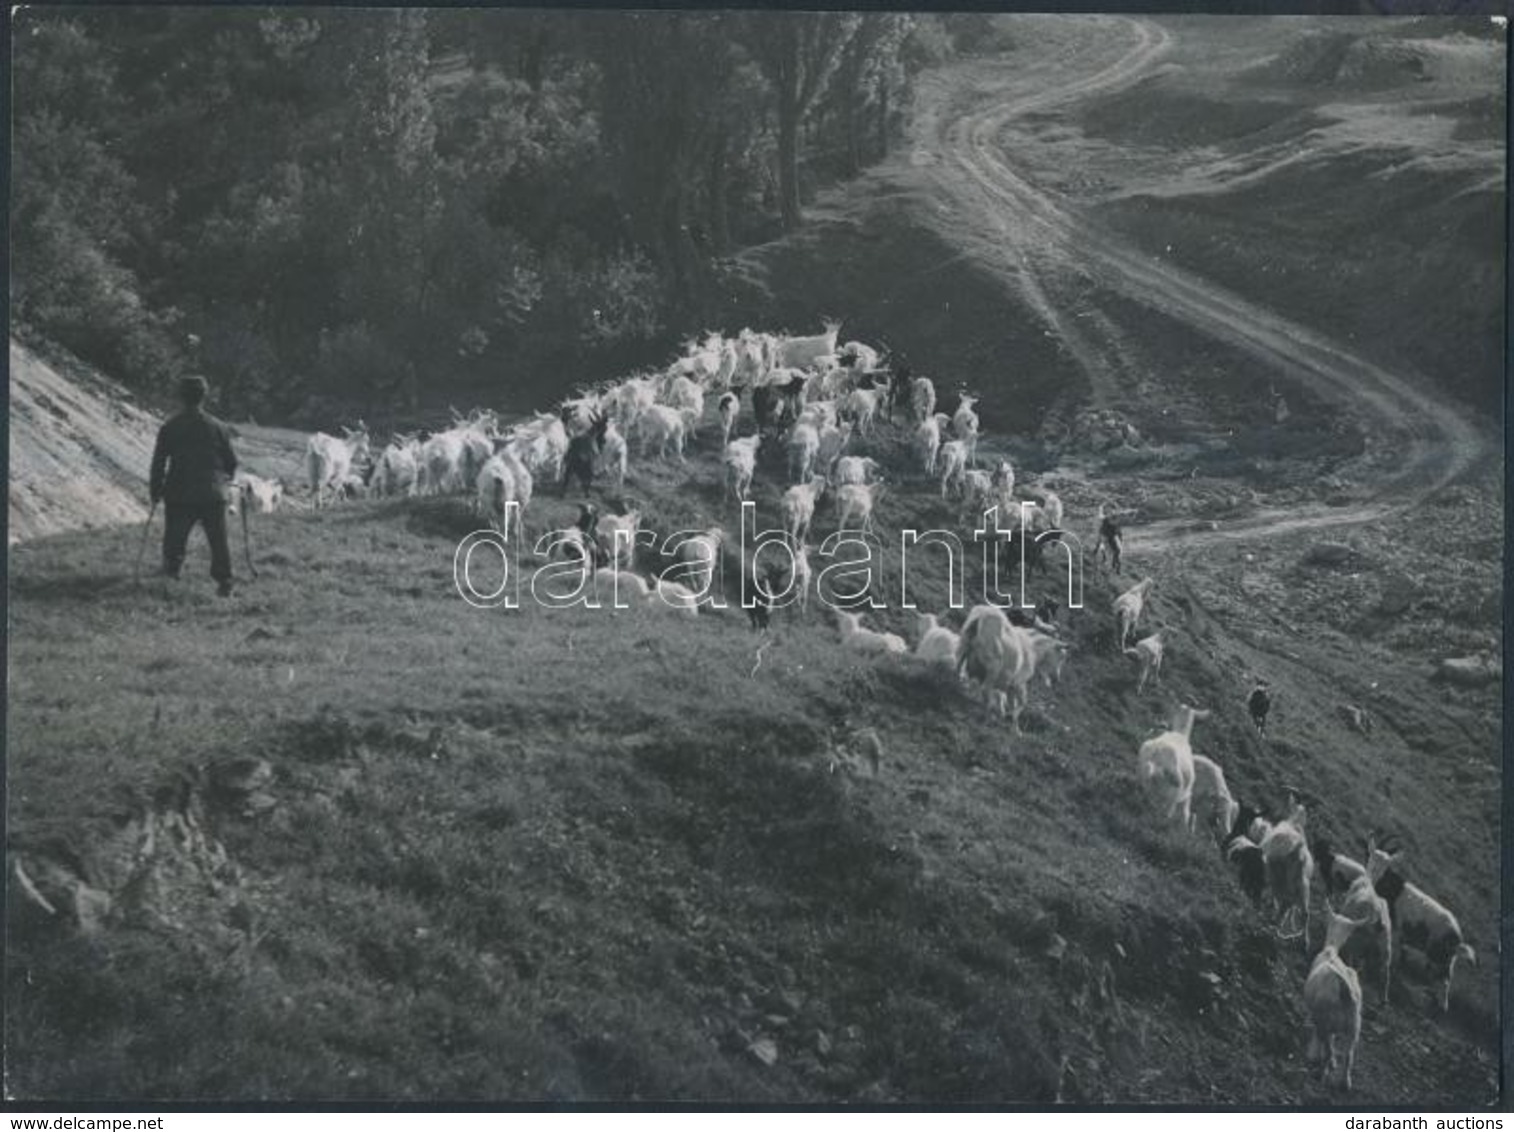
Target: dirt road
1039, 244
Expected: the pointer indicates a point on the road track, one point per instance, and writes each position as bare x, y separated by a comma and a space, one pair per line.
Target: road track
1033, 239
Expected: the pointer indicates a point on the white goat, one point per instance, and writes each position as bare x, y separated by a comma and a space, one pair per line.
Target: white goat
833, 441
397, 469
673, 596
1166, 765
255, 493
798, 507
1213, 804
804, 446
1285, 852
965, 426
953, 463
741, 464
1003, 659
616, 535
1148, 653
938, 644
862, 404
730, 409
702, 551
854, 469
1361, 902
855, 637
922, 399
928, 441
856, 501
1127, 610
661, 426
328, 461
688, 399
621, 583
801, 353
1333, 996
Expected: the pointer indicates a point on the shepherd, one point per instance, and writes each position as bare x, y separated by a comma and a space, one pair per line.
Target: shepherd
192, 466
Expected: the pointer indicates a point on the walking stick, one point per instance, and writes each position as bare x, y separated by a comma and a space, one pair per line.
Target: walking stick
247, 538
142, 549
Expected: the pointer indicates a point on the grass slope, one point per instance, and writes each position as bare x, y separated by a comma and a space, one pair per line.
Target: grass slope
572, 854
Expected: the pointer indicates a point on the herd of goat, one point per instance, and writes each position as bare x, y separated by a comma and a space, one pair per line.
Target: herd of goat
810, 399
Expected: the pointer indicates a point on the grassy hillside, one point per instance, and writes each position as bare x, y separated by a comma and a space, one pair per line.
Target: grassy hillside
577, 854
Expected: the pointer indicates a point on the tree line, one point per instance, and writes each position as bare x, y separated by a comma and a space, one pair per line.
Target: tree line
327, 208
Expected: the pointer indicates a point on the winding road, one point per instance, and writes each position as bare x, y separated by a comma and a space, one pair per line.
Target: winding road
1033, 239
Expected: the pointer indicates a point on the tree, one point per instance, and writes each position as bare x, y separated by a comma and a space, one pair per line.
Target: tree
798, 53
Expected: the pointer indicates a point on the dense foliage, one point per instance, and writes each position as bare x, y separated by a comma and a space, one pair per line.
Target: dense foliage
367, 208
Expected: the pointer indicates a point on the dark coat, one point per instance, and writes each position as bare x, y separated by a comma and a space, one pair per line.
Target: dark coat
193, 462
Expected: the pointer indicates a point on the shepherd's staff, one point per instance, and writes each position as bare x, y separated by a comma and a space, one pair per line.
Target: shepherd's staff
136, 572
246, 537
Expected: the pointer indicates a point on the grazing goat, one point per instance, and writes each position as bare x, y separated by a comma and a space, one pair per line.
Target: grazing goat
1285, 850
1333, 996
854, 469
859, 639
741, 464
1419, 920
1245, 856
674, 596
1213, 804
329, 461
1338, 872
1166, 765
621, 582
856, 501
1148, 653
1001, 657
617, 537
1127, 610
798, 508
938, 644
577, 542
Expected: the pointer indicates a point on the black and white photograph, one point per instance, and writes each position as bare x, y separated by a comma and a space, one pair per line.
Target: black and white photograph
755, 557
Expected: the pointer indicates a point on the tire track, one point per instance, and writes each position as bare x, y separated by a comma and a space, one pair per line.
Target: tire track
1020, 230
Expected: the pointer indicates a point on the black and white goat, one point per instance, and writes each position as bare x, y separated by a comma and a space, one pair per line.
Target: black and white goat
1419, 920
1245, 856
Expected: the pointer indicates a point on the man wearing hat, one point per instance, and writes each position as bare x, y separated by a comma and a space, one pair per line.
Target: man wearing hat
192, 467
